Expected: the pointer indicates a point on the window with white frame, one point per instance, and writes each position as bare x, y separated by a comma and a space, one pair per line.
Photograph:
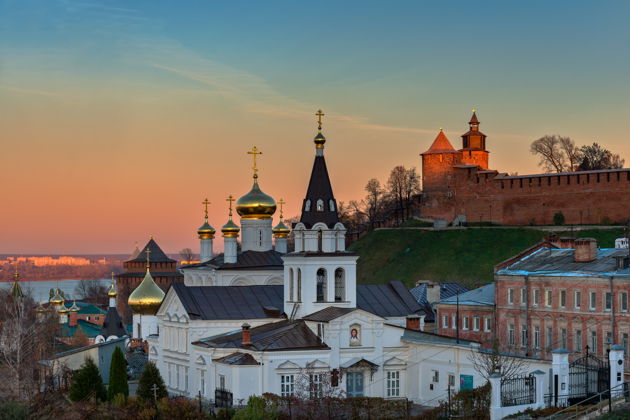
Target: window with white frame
451, 380
476, 323
593, 301
465, 323
454, 323
536, 297
563, 298
577, 341
393, 383
287, 385
202, 381
577, 299
222, 382
623, 301
510, 296
524, 337
186, 379
436, 376
548, 297
608, 301
563, 338
593, 342
486, 324
624, 343
523, 296
511, 334
549, 338
315, 385
536, 337
444, 321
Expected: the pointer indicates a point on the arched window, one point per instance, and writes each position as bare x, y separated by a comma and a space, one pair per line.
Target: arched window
290, 285
331, 204
321, 285
340, 285
319, 241
320, 205
299, 285
307, 205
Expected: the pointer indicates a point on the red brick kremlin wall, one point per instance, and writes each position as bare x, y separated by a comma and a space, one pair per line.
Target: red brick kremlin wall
456, 182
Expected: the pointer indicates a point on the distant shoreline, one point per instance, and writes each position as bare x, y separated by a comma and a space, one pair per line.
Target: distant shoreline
37, 280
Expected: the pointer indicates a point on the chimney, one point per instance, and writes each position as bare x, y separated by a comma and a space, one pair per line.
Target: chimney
246, 335
566, 243
433, 292
413, 322
73, 319
585, 250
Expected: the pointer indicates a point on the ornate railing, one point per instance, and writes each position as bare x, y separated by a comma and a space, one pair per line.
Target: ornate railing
223, 398
518, 391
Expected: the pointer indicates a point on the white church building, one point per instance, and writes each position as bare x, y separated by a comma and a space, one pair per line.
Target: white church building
263, 320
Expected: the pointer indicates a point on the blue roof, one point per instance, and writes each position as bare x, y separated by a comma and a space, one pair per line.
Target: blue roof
561, 262
481, 296
446, 290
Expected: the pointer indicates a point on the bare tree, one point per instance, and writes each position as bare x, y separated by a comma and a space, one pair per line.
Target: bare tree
573, 154
488, 361
320, 393
550, 152
187, 255
396, 184
90, 291
373, 200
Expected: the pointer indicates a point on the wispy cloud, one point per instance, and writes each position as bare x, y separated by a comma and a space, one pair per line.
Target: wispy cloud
33, 91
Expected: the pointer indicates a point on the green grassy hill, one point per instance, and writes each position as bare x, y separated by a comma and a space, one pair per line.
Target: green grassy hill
464, 256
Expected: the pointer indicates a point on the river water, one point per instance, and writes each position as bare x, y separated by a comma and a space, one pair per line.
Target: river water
40, 289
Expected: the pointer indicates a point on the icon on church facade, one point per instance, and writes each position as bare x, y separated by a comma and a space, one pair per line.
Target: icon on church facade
355, 335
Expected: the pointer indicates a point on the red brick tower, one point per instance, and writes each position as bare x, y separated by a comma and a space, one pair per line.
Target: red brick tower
474, 145
438, 163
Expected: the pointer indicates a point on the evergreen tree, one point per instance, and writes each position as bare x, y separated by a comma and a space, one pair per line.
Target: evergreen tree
151, 376
87, 381
118, 375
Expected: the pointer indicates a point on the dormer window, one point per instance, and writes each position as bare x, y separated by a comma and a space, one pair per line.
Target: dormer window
331, 204
320, 205
307, 205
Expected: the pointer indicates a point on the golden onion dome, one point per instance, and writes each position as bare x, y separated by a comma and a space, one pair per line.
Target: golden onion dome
281, 230
206, 231
256, 204
230, 229
74, 307
40, 309
63, 309
56, 299
112, 291
147, 297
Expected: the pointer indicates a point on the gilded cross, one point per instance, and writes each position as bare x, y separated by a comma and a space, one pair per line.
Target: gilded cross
113, 281
148, 251
319, 114
281, 202
254, 152
230, 199
205, 203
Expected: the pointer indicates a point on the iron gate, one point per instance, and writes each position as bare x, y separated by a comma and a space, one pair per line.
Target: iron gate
588, 376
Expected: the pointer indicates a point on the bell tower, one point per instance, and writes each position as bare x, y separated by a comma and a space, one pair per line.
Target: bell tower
474, 145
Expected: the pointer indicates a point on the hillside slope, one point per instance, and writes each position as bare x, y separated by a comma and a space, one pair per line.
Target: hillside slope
464, 256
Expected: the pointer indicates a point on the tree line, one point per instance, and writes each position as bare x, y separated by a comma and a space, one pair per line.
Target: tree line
561, 154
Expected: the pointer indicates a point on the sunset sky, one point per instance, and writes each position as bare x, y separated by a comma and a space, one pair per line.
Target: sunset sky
117, 118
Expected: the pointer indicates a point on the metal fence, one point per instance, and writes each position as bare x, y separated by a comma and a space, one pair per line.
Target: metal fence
223, 398
518, 391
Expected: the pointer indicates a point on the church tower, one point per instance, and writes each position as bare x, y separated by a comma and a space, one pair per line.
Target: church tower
474, 145
438, 164
320, 272
206, 236
256, 209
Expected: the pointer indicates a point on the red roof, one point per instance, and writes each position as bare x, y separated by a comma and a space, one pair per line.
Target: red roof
441, 144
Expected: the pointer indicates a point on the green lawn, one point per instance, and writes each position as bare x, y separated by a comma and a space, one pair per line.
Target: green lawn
465, 256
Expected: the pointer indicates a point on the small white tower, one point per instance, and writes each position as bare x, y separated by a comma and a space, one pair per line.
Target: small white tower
320, 272
230, 237
206, 236
281, 232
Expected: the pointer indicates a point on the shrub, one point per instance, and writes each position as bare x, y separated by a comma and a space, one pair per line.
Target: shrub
11, 409
87, 382
558, 218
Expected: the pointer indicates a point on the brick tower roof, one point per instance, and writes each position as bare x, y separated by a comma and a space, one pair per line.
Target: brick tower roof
441, 144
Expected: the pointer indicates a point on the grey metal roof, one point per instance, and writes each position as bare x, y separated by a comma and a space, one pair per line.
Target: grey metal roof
426, 337
231, 302
481, 296
248, 260
387, 300
328, 314
238, 358
282, 335
447, 290
560, 262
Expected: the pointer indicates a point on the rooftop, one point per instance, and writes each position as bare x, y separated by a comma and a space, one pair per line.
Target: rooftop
481, 296
248, 260
548, 261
